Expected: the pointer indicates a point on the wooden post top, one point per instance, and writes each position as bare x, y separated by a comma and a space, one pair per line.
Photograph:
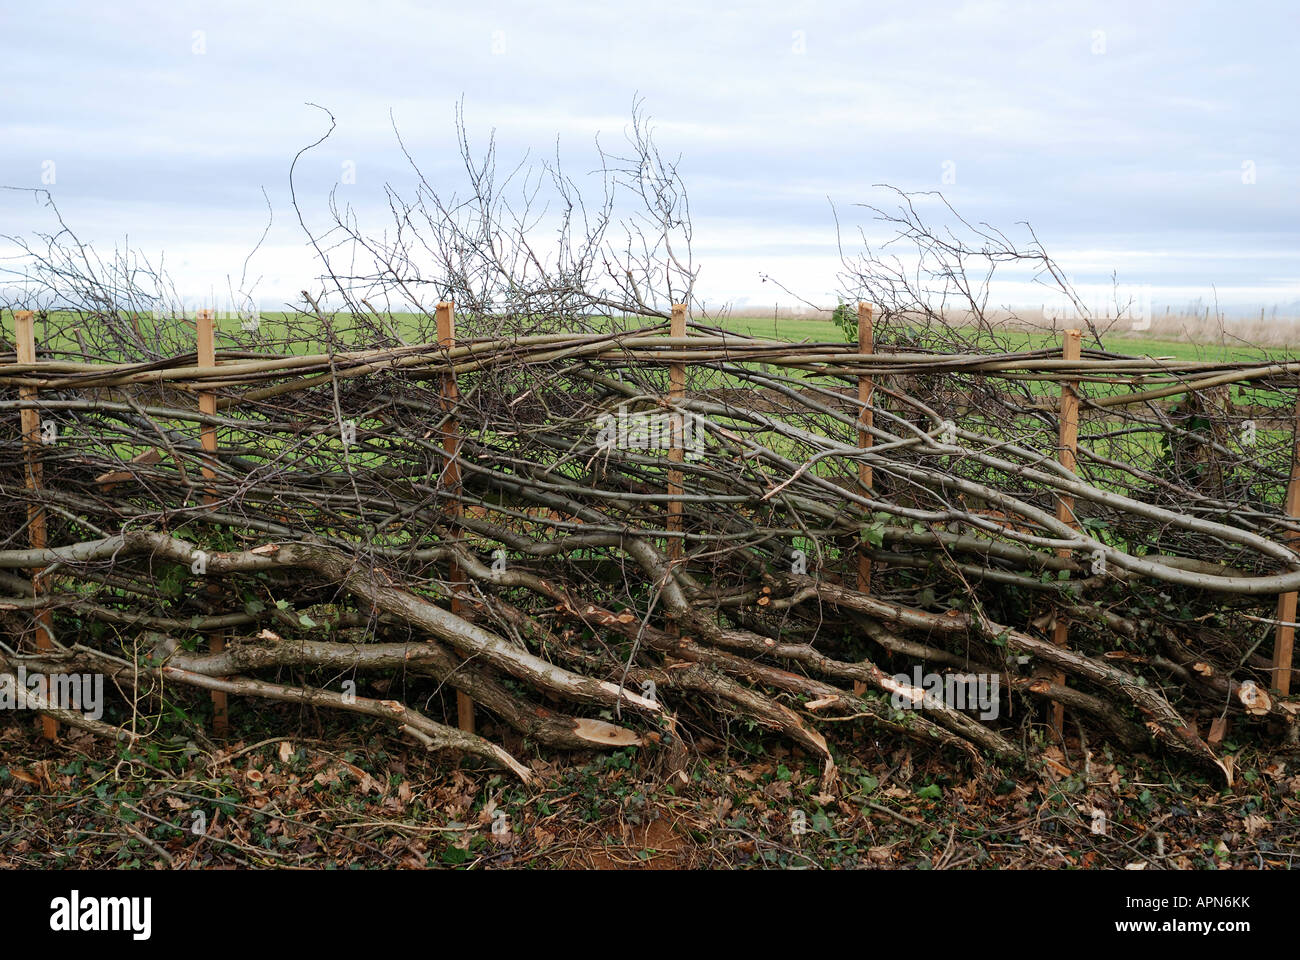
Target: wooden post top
445, 313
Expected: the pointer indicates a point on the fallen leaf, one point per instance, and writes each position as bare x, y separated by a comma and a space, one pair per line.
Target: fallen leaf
20, 774
1254, 823
1218, 730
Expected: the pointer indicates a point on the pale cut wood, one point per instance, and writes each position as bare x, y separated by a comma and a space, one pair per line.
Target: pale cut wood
30, 420
607, 734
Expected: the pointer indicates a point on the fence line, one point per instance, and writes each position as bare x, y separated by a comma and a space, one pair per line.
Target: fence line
1069, 370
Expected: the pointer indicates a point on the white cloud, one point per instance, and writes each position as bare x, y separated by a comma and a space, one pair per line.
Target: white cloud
1142, 141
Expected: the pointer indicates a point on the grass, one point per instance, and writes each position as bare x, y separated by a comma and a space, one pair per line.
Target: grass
276, 326
801, 328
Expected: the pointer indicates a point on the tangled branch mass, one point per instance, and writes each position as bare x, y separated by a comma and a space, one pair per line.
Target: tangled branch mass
605, 526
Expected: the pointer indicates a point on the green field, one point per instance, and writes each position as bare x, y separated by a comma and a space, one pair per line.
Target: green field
790, 328
309, 335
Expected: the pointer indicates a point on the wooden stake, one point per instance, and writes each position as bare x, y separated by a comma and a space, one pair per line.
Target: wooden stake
446, 317
676, 452
1284, 639
207, 357
866, 417
25, 334
1069, 445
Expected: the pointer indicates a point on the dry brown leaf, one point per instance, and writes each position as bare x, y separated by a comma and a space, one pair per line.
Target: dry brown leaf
1057, 767
1254, 823
1218, 730
19, 773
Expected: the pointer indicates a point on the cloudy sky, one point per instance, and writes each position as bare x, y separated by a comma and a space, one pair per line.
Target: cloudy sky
1154, 140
